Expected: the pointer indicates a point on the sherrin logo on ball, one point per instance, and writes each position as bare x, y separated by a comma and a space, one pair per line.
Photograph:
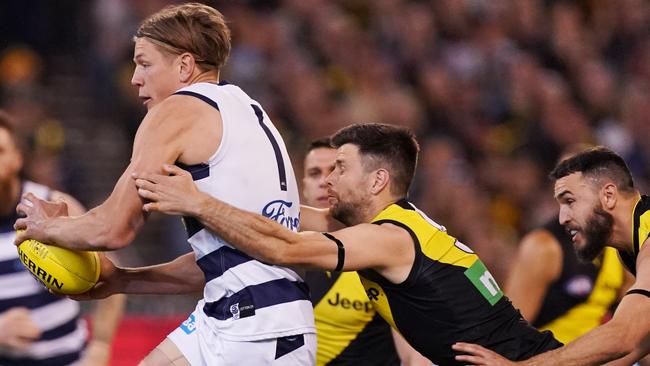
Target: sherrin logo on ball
64, 271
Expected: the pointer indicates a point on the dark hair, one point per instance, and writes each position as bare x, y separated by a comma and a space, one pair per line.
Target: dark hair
391, 147
597, 162
6, 122
195, 28
323, 142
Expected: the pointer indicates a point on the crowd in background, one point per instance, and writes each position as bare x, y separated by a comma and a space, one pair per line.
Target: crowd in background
494, 89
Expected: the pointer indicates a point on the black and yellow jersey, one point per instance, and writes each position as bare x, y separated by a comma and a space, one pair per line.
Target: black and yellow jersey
349, 330
640, 232
448, 296
583, 295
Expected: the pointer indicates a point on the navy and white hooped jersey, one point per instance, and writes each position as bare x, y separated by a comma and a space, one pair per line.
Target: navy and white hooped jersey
64, 335
244, 298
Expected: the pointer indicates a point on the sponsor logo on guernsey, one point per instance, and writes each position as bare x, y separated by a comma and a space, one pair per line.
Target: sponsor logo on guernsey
579, 286
482, 279
242, 309
189, 325
39, 272
277, 210
373, 293
346, 303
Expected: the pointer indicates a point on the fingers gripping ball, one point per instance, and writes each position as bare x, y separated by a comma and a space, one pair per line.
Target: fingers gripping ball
64, 271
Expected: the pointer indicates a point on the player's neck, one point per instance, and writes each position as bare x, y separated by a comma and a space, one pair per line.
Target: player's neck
622, 232
205, 77
379, 205
9, 196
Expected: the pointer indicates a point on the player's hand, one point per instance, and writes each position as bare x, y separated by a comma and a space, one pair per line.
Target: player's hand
477, 355
37, 213
173, 193
17, 329
109, 281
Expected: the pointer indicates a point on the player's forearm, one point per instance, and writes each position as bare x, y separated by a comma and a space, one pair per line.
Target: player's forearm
180, 276
603, 344
317, 219
92, 231
258, 236
106, 317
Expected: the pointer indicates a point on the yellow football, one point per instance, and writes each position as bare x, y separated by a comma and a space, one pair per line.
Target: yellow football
64, 271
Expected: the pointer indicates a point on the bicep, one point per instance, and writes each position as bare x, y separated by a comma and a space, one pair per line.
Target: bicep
634, 310
155, 144
364, 246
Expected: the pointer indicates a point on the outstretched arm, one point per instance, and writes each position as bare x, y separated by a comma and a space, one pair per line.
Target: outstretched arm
180, 276
625, 335
386, 247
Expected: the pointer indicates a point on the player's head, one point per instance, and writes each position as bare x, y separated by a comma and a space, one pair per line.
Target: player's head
11, 160
319, 163
174, 46
588, 186
373, 160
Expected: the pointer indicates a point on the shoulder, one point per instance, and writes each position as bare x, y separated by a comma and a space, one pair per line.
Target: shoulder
180, 107
541, 242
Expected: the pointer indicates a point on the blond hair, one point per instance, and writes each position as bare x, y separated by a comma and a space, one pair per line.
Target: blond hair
194, 28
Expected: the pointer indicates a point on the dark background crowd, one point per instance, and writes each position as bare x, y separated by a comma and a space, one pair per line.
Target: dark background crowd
495, 90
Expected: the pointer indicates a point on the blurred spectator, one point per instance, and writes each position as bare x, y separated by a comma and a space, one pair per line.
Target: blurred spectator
494, 89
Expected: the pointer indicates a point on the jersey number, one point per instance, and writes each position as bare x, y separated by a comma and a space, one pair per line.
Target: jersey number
276, 148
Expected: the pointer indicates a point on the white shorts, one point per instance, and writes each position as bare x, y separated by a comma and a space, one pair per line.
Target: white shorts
201, 346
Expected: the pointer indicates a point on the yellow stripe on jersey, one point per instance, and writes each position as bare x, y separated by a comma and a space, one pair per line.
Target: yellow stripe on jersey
340, 316
644, 228
434, 241
379, 300
588, 315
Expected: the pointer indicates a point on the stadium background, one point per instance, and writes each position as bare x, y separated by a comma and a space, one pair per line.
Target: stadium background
495, 90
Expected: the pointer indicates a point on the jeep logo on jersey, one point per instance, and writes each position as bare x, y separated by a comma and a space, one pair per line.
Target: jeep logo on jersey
373, 293
277, 210
346, 303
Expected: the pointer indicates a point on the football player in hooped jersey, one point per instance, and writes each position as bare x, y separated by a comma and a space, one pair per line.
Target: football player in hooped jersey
251, 313
36, 326
426, 284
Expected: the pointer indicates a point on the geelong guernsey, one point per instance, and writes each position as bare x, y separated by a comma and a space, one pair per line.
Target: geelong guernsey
583, 294
64, 335
449, 296
245, 299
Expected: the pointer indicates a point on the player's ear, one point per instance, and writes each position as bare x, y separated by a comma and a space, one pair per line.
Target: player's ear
381, 177
609, 195
187, 66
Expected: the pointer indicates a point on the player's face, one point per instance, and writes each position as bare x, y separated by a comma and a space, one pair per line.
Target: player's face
156, 73
582, 215
10, 158
319, 163
348, 186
